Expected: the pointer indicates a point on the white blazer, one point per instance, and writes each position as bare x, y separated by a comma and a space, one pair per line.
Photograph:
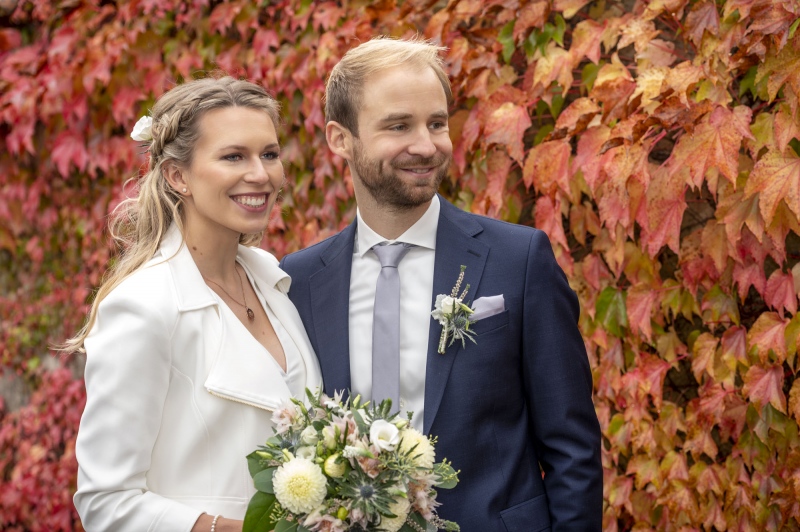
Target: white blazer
170, 412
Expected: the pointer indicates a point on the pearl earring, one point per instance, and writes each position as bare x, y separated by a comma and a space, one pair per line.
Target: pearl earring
184, 190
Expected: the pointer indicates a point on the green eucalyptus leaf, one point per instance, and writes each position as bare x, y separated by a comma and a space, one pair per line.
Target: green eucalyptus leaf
263, 480
285, 526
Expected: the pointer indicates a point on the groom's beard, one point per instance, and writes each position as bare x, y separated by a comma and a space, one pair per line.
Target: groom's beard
391, 189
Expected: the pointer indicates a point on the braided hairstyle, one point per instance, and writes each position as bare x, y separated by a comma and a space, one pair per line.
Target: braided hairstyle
139, 223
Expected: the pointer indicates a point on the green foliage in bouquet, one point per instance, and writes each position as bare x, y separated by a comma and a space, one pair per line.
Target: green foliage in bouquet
338, 466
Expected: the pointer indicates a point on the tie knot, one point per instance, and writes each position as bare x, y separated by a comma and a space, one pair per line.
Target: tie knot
390, 255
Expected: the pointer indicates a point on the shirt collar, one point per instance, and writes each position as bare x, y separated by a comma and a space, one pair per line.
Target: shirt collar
421, 234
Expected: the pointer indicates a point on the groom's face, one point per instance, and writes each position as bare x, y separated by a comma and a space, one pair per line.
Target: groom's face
403, 150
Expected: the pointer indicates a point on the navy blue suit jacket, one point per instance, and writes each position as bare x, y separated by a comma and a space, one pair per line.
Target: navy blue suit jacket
518, 399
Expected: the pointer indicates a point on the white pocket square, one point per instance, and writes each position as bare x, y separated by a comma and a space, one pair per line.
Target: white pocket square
487, 306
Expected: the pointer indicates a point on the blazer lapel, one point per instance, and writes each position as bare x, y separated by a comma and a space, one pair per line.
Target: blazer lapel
273, 284
330, 289
455, 246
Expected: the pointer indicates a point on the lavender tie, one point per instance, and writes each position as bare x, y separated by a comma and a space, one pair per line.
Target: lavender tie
386, 325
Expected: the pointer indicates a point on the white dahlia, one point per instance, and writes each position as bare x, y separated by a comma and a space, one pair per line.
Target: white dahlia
423, 454
400, 507
299, 485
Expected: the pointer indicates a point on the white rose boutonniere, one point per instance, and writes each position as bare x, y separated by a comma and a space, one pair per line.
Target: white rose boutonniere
453, 315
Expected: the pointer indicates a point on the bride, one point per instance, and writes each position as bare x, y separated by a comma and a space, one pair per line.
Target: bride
191, 342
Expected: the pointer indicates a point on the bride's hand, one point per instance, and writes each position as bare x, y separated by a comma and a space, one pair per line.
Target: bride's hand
203, 524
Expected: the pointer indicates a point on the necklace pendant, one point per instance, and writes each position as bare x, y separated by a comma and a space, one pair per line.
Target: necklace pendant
250, 314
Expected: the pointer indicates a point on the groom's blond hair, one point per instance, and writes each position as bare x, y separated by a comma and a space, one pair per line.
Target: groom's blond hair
345, 86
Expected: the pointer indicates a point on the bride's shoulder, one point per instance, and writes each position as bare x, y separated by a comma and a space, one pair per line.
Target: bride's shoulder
149, 284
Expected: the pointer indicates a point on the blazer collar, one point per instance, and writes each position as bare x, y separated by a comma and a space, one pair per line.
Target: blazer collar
456, 245
237, 374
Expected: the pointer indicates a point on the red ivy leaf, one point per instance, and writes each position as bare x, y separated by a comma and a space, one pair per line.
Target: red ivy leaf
780, 293
768, 333
702, 17
547, 216
765, 386
69, 148
747, 275
640, 305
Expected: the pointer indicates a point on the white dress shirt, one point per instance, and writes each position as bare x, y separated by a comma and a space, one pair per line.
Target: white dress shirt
416, 293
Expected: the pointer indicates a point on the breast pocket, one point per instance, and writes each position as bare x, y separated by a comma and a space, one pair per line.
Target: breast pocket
490, 324
529, 516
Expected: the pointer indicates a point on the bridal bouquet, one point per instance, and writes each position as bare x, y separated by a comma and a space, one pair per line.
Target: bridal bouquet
334, 466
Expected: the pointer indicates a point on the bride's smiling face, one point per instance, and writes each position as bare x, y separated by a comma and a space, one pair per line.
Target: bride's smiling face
235, 173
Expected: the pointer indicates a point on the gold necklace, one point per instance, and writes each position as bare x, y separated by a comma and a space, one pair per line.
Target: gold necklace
250, 314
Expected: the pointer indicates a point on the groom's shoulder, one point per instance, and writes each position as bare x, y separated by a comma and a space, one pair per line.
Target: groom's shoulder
492, 228
311, 255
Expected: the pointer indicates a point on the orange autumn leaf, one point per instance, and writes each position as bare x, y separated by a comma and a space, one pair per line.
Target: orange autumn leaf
767, 334
714, 143
703, 356
507, 125
546, 167
586, 39
794, 400
577, 115
775, 178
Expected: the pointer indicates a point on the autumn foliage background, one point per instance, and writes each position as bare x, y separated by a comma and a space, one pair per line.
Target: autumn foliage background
655, 142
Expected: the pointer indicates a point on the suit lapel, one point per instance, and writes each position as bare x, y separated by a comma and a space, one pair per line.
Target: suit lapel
330, 289
455, 246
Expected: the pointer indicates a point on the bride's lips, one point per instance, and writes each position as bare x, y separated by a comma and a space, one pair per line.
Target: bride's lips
252, 202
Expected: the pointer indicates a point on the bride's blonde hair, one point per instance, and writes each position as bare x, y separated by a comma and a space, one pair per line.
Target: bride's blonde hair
138, 224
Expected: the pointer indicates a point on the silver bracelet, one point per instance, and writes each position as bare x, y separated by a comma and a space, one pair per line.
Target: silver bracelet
214, 524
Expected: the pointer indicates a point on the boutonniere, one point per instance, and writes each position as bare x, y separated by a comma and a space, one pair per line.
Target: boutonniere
453, 314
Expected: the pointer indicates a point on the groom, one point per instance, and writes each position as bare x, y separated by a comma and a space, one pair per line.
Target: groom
513, 411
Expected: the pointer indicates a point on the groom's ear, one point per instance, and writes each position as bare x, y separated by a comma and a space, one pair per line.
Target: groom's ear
340, 140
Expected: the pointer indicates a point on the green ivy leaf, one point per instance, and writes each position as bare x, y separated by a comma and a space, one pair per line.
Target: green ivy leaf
506, 38
610, 310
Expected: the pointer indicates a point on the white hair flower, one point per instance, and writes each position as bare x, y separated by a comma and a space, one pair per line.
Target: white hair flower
423, 455
384, 435
142, 129
300, 485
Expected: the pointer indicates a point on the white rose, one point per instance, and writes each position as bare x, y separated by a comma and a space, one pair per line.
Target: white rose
309, 453
309, 436
384, 435
141, 131
329, 437
449, 304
